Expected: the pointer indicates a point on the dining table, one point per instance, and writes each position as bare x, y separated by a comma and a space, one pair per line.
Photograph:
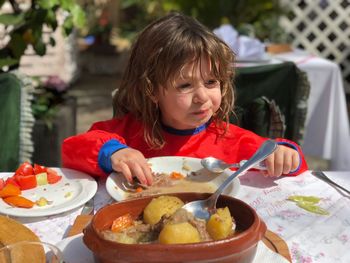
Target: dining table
327, 132
309, 237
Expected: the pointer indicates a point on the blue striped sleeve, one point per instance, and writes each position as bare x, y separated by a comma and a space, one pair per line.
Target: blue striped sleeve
105, 153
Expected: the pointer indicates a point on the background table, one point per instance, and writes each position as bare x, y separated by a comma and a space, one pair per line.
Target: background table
327, 133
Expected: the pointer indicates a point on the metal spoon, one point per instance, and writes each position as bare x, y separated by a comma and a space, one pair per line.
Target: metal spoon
204, 208
218, 166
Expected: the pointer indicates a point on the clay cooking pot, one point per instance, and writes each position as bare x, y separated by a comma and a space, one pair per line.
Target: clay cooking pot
241, 247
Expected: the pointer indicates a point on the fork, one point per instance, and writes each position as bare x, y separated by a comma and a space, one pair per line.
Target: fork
132, 187
322, 176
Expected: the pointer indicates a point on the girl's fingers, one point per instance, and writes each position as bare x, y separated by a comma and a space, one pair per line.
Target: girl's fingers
270, 164
295, 162
132, 169
282, 161
287, 163
132, 163
148, 174
123, 168
141, 170
137, 172
278, 167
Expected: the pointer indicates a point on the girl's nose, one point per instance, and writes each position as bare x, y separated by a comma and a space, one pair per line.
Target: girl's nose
201, 94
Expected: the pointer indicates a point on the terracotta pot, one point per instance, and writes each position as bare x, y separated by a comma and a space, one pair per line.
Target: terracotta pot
239, 248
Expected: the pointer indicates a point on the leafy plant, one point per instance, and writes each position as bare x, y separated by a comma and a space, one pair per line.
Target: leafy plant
261, 15
26, 23
47, 98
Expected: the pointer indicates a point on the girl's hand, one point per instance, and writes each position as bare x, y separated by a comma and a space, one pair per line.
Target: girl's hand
282, 161
131, 163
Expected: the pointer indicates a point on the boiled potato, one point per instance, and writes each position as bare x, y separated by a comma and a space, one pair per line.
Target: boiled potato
220, 224
121, 237
162, 205
179, 233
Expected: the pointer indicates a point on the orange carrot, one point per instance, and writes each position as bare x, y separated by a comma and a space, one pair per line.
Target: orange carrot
176, 176
19, 201
139, 189
122, 222
10, 190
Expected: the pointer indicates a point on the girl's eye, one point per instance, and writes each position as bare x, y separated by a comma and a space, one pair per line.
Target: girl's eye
184, 87
211, 82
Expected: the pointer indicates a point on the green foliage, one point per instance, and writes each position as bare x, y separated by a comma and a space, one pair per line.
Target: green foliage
25, 26
48, 97
43, 108
261, 15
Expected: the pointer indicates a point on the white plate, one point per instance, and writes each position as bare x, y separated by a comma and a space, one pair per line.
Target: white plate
168, 164
74, 250
73, 190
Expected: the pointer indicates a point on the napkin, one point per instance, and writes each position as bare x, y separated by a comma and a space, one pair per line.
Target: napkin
229, 35
245, 48
264, 254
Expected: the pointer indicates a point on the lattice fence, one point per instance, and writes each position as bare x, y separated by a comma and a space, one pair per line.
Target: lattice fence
321, 27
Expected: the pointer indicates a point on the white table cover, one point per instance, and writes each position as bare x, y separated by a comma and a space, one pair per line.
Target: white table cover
310, 237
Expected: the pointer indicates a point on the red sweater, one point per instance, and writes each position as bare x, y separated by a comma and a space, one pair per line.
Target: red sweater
87, 152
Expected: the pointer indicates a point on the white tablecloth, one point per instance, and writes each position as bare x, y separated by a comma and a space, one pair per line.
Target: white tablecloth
327, 133
310, 237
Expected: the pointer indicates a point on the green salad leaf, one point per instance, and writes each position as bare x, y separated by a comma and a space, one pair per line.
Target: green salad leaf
301, 198
308, 203
312, 208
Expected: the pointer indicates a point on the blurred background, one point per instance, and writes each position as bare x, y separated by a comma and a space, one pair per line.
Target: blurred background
69, 55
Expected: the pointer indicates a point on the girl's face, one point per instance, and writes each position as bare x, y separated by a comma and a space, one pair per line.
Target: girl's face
194, 100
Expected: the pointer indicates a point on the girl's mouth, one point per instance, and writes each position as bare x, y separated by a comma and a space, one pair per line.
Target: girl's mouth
201, 113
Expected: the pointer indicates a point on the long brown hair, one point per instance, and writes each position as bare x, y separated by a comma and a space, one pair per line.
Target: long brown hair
159, 52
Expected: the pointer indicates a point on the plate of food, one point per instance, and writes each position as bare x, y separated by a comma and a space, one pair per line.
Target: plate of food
70, 190
173, 174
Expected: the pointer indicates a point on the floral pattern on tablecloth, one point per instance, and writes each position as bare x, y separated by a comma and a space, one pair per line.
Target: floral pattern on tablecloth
54, 228
310, 237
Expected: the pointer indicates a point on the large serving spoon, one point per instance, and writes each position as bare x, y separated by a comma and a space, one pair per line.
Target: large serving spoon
218, 166
204, 208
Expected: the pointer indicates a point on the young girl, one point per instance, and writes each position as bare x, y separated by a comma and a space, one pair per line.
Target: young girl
174, 100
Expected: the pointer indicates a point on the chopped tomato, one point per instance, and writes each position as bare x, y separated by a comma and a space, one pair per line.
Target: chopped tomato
25, 169
122, 222
52, 176
26, 181
11, 180
2, 183
38, 169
